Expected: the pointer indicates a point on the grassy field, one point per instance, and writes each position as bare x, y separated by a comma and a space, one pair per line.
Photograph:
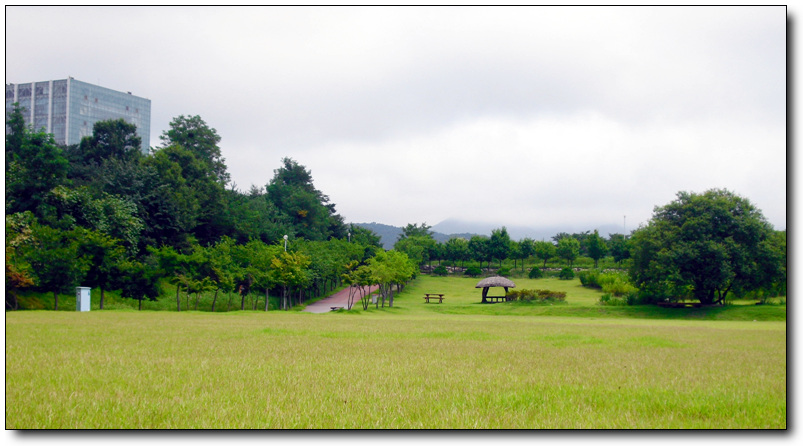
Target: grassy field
459, 364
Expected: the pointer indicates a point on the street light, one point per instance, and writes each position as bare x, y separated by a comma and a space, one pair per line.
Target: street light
285, 243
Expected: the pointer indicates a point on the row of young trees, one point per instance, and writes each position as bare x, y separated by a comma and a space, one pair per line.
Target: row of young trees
105, 215
417, 242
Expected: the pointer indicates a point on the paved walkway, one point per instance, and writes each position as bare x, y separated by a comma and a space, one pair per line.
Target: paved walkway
339, 299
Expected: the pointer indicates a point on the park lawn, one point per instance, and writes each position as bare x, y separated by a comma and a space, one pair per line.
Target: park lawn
461, 297
403, 368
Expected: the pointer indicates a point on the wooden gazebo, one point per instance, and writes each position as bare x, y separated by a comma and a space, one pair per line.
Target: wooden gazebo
495, 281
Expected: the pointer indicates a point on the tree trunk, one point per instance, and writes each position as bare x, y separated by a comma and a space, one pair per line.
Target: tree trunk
140, 304
267, 298
242, 302
214, 300
56, 300
178, 298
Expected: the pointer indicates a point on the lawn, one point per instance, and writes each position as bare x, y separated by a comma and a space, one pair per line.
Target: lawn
459, 364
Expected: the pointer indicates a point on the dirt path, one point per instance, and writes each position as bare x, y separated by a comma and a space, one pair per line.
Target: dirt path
339, 299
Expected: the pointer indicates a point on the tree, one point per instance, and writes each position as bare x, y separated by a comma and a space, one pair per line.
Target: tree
526, 250
705, 246
413, 230
618, 246
110, 139
138, 281
456, 249
106, 259
568, 249
544, 250
194, 135
55, 260
289, 270
499, 244
595, 245
480, 249
312, 216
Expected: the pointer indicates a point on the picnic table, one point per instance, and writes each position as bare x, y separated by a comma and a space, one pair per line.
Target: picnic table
496, 298
429, 296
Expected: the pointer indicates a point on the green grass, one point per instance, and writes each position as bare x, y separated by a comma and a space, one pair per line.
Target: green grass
389, 369
460, 364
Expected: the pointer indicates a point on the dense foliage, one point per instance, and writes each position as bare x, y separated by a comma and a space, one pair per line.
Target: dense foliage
105, 215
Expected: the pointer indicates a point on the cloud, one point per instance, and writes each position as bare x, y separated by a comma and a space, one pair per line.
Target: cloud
532, 115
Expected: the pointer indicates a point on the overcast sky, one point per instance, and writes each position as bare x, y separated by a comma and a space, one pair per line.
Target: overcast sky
533, 116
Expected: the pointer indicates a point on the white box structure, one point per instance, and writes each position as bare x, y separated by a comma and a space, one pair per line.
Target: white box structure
82, 298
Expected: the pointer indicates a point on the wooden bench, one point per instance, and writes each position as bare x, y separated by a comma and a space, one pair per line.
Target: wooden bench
429, 296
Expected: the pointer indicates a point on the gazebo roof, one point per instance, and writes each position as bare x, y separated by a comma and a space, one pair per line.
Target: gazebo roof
496, 281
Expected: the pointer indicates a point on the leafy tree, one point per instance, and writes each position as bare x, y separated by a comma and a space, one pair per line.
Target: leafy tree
110, 139
417, 248
138, 281
55, 261
37, 165
193, 134
499, 244
705, 245
595, 245
568, 249
545, 251
106, 259
312, 215
457, 249
618, 247
526, 249
413, 230
480, 249
289, 270
17, 237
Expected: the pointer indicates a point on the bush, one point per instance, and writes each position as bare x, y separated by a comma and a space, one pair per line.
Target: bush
566, 274
473, 271
503, 272
440, 271
535, 273
589, 278
539, 296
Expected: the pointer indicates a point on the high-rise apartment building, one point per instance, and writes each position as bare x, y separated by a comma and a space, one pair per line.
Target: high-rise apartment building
69, 109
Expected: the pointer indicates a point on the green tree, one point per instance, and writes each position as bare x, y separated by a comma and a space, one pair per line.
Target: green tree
499, 244
106, 259
110, 139
312, 215
568, 249
704, 245
479, 247
193, 134
457, 249
290, 270
55, 260
139, 281
596, 247
545, 251
618, 247
526, 250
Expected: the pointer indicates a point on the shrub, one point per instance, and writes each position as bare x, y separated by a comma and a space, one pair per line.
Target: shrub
503, 272
589, 278
440, 271
607, 299
566, 274
540, 296
535, 273
473, 271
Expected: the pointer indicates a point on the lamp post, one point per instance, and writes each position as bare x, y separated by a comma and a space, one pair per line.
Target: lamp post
348, 234
285, 243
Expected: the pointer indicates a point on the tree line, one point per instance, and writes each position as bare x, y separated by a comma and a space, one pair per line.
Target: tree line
103, 214
419, 245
